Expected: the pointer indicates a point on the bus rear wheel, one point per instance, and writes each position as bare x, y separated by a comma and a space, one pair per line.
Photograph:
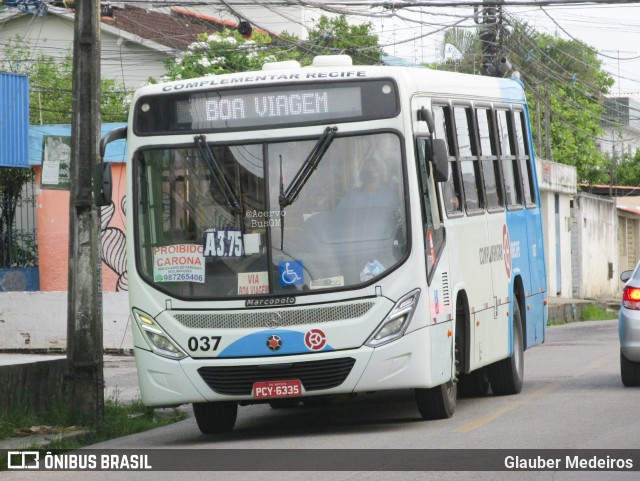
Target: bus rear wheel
216, 417
474, 384
506, 376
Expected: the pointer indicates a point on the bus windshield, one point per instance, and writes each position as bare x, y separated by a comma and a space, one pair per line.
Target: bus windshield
209, 222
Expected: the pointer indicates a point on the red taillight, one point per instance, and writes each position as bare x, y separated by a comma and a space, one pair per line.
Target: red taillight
631, 298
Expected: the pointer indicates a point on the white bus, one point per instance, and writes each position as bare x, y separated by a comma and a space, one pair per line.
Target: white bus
303, 232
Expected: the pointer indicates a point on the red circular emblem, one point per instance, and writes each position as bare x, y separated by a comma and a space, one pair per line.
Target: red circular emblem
506, 250
315, 339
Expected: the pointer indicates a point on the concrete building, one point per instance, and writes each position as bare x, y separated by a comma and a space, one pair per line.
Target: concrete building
594, 244
627, 201
621, 125
558, 188
135, 42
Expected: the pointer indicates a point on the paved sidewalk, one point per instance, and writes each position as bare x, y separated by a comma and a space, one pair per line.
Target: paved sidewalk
6, 359
120, 377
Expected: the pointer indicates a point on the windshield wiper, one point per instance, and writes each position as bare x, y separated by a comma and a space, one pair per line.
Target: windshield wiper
288, 196
217, 174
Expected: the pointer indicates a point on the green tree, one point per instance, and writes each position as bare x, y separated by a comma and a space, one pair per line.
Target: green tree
336, 36
461, 51
50, 82
220, 53
12, 250
627, 169
228, 51
562, 78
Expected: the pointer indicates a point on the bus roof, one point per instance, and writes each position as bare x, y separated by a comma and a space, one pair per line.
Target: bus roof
415, 80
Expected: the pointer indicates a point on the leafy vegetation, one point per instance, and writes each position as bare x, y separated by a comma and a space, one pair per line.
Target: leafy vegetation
627, 169
563, 81
228, 51
120, 419
13, 250
591, 312
50, 82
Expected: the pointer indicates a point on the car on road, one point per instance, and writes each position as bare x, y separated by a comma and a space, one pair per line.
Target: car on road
629, 328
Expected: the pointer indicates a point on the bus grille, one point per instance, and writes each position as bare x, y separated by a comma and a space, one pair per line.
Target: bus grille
271, 319
314, 375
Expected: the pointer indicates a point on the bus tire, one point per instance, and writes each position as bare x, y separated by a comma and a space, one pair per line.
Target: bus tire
437, 402
629, 371
506, 376
216, 417
474, 384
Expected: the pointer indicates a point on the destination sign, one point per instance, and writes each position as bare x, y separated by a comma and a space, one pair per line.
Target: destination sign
219, 110
272, 106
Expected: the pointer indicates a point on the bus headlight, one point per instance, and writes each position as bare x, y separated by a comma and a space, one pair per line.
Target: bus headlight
395, 324
158, 340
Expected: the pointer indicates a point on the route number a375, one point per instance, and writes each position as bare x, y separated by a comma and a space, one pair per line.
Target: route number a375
204, 343
222, 243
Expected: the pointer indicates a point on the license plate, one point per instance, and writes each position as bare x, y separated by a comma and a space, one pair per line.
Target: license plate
273, 389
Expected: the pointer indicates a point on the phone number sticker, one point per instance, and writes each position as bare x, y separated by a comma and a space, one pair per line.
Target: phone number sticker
181, 277
178, 263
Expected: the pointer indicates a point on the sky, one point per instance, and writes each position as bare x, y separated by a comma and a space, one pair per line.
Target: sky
614, 31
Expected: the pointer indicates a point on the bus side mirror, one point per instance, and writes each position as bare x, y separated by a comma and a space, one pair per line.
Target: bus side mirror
424, 115
439, 157
102, 187
115, 134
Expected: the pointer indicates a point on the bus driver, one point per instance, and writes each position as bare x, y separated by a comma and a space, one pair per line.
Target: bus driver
373, 191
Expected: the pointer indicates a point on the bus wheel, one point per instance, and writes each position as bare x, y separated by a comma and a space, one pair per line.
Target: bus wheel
216, 417
437, 402
474, 384
506, 376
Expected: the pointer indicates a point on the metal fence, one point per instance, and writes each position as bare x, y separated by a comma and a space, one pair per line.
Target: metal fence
18, 248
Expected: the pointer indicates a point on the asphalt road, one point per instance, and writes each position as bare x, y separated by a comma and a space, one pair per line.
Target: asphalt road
572, 398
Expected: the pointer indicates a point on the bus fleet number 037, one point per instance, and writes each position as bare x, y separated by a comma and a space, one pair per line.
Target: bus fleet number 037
204, 343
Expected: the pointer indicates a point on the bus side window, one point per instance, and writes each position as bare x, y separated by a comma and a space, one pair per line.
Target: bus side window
434, 233
489, 159
451, 189
524, 158
469, 166
508, 157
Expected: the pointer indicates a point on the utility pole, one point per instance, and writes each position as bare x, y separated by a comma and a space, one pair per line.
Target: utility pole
85, 378
487, 19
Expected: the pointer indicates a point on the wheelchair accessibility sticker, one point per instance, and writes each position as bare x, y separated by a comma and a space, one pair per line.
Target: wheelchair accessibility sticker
291, 273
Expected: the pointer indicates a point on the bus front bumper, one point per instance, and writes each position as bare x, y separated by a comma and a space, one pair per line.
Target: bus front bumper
419, 359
